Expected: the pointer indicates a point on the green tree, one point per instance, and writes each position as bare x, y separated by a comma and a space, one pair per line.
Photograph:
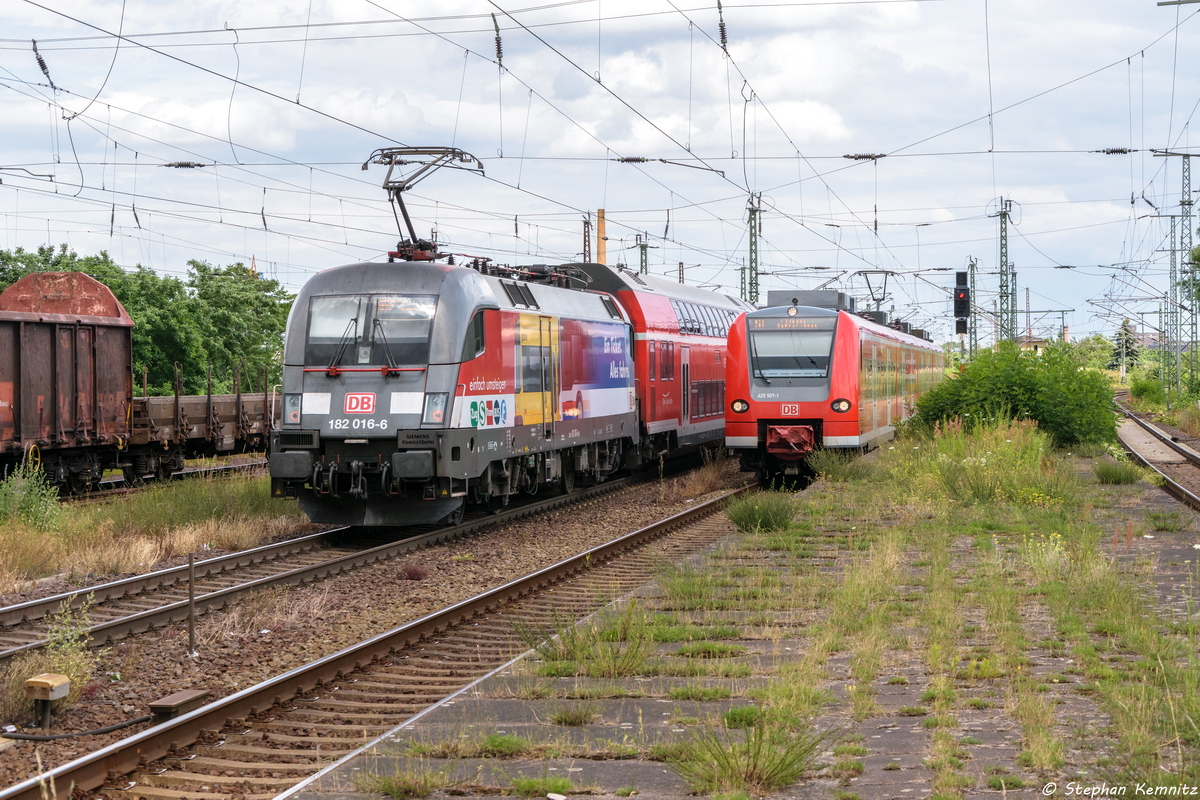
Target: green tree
1125, 349
220, 317
1094, 352
242, 316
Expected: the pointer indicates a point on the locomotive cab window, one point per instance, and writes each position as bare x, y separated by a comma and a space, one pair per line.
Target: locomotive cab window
791, 347
365, 330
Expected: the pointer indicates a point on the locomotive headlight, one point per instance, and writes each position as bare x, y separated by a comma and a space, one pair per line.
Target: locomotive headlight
291, 409
740, 406
840, 406
435, 408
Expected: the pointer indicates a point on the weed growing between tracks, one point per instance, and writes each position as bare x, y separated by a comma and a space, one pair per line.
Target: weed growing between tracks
921, 621
67, 652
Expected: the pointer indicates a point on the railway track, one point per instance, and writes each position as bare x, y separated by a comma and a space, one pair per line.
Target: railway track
1177, 464
154, 600
116, 487
260, 741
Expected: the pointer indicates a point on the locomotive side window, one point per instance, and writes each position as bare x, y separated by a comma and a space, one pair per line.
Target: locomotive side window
651, 360
802, 349
474, 344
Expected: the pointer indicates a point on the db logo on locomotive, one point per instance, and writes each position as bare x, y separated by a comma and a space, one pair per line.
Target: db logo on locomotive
360, 403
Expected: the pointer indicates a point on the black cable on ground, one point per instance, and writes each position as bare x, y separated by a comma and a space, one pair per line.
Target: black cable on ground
30, 737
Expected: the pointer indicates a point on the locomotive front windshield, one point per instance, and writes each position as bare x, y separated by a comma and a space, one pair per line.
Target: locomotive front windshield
790, 347
369, 330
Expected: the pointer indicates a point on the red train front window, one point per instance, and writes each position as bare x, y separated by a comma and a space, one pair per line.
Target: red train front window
791, 347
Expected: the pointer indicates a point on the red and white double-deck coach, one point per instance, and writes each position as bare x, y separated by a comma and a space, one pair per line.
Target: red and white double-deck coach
679, 356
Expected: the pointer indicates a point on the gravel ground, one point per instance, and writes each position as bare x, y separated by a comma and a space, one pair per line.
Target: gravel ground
282, 630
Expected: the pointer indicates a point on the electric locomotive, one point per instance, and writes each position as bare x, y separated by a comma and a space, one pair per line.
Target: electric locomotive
802, 377
411, 388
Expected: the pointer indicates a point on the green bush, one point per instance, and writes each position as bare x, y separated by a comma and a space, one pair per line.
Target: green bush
1147, 389
763, 511
27, 496
1069, 403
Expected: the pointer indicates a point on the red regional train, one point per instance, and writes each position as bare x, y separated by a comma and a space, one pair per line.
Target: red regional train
801, 377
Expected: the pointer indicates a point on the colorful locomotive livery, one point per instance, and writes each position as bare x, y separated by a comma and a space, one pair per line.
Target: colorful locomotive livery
484, 382
66, 392
802, 377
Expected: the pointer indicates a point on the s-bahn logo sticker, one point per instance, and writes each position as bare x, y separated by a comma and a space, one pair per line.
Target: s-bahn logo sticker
489, 413
360, 403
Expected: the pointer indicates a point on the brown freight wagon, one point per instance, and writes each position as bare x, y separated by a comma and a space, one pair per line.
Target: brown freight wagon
66, 392
65, 382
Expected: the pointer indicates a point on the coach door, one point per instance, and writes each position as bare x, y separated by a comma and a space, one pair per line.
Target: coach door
549, 384
685, 384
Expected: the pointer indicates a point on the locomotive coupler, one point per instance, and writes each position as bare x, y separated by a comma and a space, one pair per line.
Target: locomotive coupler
358, 483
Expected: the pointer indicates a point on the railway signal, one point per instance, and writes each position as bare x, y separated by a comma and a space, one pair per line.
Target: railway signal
962, 296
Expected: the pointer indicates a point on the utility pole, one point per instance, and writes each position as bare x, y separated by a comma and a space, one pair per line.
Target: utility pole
750, 294
1028, 317
972, 321
601, 238
1172, 326
643, 263
1008, 280
681, 272
1190, 269
1183, 278
587, 238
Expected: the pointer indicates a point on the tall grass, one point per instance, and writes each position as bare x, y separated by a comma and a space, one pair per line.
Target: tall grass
763, 511
67, 652
136, 531
999, 461
840, 466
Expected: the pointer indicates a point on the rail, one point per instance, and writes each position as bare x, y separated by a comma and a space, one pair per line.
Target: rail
121, 758
179, 611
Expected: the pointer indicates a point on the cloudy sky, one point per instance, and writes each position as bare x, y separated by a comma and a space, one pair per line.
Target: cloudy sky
280, 103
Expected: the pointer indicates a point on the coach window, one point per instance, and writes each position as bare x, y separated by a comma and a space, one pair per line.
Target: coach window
474, 344
651, 363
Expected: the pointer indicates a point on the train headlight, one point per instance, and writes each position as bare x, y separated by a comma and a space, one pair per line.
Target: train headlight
435, 408
740, 406
840, 406
291, 409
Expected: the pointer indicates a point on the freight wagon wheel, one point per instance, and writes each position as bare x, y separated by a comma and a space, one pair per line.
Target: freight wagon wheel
132, 478
568, 481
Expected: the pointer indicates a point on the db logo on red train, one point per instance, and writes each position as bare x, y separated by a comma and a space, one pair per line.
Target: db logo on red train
360, 402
